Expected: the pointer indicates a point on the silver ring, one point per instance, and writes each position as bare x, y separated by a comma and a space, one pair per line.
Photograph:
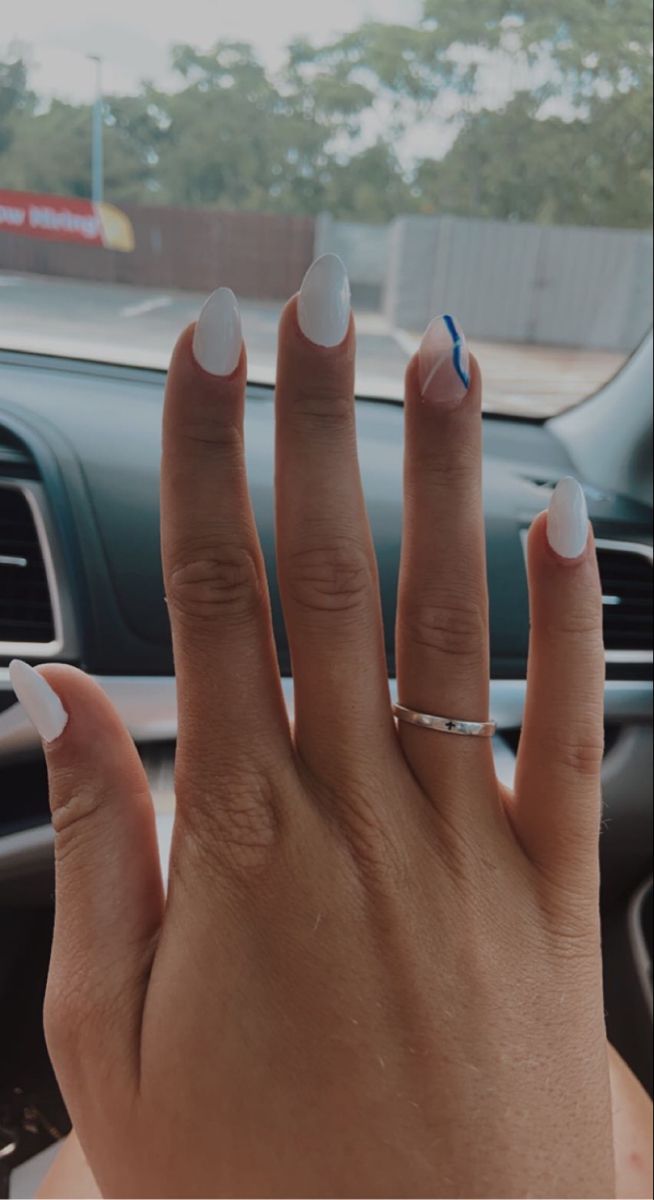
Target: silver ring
445, 724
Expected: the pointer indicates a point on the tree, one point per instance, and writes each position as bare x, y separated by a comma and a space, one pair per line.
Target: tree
574, 144
51, 152
136, 134
269, 143
589, 45
15, 96
569, 141
228, 140
369, 186
561, 172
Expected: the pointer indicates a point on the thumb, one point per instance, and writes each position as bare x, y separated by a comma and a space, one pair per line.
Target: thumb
108, 894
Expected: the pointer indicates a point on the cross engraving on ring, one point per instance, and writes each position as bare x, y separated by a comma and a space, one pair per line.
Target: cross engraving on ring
451, 725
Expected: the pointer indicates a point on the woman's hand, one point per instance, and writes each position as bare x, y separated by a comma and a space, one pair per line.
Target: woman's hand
376, 973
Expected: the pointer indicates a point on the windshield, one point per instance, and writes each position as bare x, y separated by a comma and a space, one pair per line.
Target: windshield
489, 159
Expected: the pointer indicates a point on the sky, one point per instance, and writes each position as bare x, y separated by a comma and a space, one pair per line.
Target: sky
133, 36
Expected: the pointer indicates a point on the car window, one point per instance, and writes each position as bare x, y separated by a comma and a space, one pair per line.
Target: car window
493, 160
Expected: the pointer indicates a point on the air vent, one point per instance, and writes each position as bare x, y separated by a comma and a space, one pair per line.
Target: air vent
626, 571
26, 614
15, 460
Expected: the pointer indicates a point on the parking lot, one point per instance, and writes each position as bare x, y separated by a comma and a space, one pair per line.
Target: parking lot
138, 325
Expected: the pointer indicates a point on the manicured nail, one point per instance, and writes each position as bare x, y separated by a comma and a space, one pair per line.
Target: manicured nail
324, 303
444, 361
42, 705
218, 335
567, 519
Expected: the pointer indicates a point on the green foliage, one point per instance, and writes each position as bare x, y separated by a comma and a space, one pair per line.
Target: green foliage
369, 186
50, 152
15, 97
573, 145
576, 172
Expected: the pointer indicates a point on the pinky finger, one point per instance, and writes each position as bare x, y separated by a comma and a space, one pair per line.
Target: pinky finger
558, 802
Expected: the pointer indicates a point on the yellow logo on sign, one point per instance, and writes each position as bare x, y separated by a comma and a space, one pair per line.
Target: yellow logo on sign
116, 228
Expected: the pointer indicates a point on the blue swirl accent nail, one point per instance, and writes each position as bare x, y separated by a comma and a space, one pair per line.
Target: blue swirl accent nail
457, 343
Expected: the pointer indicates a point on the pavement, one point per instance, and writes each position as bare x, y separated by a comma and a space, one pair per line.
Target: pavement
119, 323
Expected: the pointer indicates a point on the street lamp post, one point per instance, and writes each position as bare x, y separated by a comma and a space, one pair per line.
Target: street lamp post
97, 164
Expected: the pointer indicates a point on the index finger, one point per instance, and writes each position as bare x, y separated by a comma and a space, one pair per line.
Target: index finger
216, 587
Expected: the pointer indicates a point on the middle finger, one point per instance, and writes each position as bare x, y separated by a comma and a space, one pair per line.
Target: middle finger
327, 570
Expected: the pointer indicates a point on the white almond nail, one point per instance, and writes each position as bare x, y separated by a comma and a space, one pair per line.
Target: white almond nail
324, 303
444, 361
218, 334
567, 519
41, 703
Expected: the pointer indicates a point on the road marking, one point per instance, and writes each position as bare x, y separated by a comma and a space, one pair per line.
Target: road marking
144, 306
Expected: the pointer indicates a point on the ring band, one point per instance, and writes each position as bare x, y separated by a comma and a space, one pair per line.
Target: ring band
445, 724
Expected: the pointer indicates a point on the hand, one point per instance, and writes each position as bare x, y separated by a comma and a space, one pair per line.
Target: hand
376, 973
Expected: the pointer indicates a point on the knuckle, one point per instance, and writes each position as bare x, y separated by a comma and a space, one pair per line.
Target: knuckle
237, 828
455, 630
84, 1019
571, 922
68, 1010
210, 585
582, 755
581, 624
325, 405
331, 578
575, 745
358, 797
74, 820
447, 468
205, 428
458, 849
377, 853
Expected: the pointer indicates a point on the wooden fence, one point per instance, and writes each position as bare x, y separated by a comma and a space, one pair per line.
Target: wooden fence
260, 255
506, 281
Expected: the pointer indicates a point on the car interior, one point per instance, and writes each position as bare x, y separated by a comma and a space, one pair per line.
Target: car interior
81, 583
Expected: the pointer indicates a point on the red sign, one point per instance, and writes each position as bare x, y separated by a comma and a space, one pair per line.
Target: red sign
65, 219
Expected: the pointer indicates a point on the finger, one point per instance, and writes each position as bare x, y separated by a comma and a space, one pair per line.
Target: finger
442, 622
109, 895
326, 563
557, 810
227, 677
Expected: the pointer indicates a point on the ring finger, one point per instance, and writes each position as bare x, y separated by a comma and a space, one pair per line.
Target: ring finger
442, 628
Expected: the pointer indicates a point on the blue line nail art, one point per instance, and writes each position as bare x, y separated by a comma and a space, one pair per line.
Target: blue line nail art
457, 343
